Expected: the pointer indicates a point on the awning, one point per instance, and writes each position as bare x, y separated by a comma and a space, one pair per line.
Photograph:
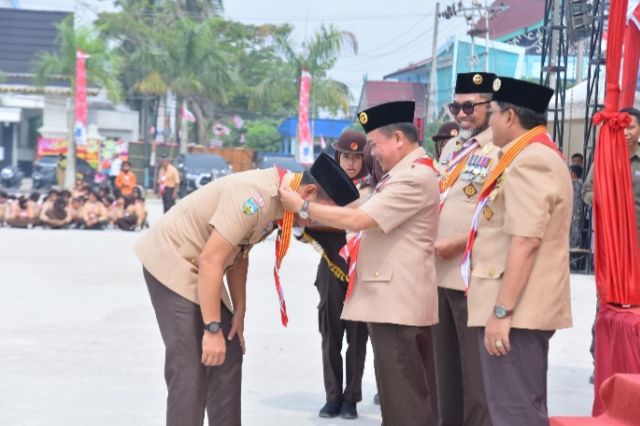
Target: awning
9, 115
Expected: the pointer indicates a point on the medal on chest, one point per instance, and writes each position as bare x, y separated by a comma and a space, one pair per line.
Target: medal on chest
477, 168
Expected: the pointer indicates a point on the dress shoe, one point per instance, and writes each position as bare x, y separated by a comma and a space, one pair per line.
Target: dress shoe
348, 411
376, 399
330, 409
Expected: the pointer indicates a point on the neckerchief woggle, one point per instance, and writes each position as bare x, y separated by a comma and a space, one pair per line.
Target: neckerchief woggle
536, 135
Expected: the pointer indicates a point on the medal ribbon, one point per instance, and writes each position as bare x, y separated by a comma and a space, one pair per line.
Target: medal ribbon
285, 229
454, 170
536, 135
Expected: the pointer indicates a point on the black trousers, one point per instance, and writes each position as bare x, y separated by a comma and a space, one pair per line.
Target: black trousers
167, 198
461, 397
516, 383
191, 386
403, 358
332, 292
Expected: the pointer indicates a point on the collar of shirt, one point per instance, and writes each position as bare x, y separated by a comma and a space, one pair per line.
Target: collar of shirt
407, 160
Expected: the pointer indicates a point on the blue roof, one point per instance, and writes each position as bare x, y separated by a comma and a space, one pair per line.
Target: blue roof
325, 127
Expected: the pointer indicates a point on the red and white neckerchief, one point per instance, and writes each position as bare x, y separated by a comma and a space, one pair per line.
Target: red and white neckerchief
285, 229
536, 135
454, 169
349, 252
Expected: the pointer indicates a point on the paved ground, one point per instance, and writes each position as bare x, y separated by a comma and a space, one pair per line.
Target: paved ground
79, 344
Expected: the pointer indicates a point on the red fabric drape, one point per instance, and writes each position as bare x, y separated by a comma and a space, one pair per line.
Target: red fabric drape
616, 240
630, 63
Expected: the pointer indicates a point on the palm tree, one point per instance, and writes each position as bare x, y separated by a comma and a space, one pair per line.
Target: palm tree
102, 68
317, 57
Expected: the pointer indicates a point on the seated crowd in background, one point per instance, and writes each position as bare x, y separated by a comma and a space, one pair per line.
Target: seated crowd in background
80, 208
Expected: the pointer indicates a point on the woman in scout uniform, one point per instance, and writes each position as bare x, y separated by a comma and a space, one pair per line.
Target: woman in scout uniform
331, 282
516, 263
187, 254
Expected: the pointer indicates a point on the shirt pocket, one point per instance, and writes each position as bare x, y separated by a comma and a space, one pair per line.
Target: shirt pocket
376, 273
491, 271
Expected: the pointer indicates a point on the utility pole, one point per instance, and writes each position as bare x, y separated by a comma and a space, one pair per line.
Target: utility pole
486, 37
432, 105
555, 43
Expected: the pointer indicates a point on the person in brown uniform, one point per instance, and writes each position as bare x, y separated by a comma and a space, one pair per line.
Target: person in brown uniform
465, 163
331, 282
185, 257
392, 282
168, 183
517, 255
443, 135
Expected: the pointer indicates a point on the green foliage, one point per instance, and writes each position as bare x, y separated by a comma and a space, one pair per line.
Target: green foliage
103, 65
262, 135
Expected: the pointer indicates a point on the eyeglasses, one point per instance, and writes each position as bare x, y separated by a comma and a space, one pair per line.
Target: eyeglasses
467, 107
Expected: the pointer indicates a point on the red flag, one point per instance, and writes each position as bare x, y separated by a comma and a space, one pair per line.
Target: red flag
305, 143
80, 128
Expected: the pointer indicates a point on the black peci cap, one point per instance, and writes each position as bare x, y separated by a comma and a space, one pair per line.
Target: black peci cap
522, 93
474, 82
334, 180
385, 114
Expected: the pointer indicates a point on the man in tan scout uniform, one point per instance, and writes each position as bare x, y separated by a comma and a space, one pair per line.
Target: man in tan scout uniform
465, 164
518, 254
185, 256
394, 289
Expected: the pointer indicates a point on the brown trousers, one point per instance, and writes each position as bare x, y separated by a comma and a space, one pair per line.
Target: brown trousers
332, 292
461, 398
403, 358
191, 386
516, 383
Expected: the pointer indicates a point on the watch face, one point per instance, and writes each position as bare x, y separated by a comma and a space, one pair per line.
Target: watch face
500, 311
213, 327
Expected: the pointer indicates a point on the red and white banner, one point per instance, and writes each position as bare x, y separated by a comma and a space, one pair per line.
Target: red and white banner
305, 141
80, 126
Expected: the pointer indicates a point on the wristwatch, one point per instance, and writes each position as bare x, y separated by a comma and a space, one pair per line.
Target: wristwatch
501, 312
304, 211
212, 327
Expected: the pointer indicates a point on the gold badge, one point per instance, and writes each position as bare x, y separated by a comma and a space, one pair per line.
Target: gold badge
477, 79
470, 190
496, 84
363, 117
487, 212
453, 132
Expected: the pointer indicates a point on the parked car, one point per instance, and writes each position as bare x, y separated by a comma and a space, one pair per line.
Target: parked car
11, 177
44, 171
282, 161
197, 170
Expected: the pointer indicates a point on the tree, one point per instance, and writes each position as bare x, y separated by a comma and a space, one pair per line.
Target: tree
316, 56
102, 67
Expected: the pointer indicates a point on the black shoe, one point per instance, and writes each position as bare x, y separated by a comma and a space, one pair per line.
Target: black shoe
376, 399
330, 409
348, 411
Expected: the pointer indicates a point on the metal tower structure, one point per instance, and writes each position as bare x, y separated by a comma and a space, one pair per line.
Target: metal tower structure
554, 61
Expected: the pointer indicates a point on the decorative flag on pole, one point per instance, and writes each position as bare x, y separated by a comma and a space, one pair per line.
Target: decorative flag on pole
323, 144
80, 126
305, 142
187, 115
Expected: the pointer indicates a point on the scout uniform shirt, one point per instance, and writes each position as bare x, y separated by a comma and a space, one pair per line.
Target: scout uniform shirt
241, 207
460, 202
533, 198
169, 178
395, 275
